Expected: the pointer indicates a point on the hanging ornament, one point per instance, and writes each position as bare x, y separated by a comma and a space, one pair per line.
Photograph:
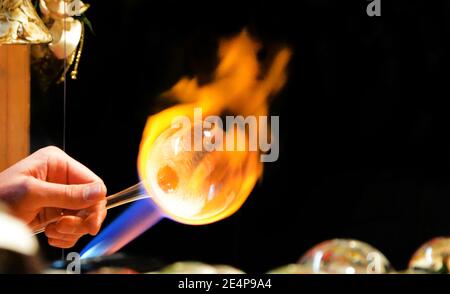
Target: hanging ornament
67, 31
20, 24
66, 21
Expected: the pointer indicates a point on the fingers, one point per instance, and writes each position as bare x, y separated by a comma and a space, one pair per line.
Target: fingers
58, 239
75, 224
61, 243
66, 196
66, 232
63, 169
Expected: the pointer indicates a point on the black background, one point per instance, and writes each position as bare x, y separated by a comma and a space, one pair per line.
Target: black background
364, 121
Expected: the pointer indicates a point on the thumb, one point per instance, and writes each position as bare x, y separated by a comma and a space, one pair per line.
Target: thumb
69, 196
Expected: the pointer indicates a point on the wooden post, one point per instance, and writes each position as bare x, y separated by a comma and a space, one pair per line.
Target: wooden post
14, 103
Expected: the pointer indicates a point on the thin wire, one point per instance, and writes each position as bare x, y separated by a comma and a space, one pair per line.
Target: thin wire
65, 99
65, 83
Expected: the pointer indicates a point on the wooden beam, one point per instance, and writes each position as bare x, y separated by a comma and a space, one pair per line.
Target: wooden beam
14, 103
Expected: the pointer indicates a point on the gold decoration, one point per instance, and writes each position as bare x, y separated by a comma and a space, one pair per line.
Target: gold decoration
20, 24
67, 32
60, 9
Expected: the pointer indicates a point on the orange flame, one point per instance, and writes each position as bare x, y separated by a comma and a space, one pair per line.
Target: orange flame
199, 187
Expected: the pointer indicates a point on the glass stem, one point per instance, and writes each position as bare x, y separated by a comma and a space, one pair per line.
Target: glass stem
131, 194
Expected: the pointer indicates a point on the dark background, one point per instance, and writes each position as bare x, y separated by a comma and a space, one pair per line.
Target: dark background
364, 121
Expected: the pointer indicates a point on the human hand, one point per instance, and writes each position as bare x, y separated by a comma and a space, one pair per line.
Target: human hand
50, 184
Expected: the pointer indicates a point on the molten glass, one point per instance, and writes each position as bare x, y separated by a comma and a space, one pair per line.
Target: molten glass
196, 187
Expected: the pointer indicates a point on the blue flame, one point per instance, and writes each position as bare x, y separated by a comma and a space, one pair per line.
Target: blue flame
138, 218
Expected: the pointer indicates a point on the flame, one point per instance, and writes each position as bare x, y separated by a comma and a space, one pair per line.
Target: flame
217, 185
199, 187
